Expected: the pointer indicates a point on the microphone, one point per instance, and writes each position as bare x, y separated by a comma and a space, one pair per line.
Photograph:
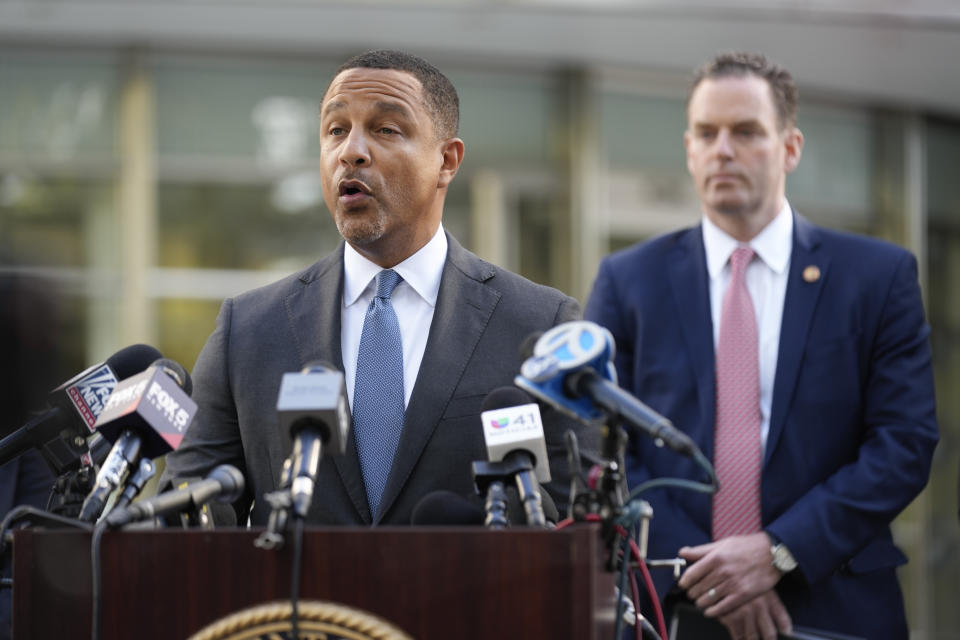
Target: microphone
225, 484
136, 482
513, 433
145, 416
61, 432
312, 406
572, 369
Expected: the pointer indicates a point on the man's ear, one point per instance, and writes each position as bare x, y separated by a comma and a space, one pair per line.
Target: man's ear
793, 143
451, 156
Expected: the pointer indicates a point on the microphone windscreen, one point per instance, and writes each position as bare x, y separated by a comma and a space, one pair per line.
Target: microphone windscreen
131, 360
231, 481
503, 397
446, 508
176, 371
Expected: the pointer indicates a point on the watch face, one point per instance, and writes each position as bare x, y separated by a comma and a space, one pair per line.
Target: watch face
783, 559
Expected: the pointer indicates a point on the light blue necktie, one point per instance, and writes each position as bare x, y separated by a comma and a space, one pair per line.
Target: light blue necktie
378, 390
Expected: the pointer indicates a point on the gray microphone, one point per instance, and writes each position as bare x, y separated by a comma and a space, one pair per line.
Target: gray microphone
312, 405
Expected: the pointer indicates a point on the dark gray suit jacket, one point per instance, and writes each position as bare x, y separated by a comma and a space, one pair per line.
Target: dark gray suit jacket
482, 316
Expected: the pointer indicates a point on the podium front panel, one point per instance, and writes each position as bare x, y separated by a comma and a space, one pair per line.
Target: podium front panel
434, 583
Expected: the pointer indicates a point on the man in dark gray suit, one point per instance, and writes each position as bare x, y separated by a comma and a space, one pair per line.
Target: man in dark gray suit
389, 151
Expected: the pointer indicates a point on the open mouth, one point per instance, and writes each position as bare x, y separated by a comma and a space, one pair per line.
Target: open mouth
353, 188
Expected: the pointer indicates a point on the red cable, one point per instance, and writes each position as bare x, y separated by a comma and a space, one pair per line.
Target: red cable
648, 581
651, 590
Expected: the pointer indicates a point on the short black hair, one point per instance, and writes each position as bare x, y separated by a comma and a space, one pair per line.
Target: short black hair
739, 63
439, 94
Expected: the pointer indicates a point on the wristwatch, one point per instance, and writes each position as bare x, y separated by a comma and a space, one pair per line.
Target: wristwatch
781, 558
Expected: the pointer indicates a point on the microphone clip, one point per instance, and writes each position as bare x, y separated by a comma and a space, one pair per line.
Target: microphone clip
280, 502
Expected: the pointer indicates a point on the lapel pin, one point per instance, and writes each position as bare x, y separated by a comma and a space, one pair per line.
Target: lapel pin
811, 273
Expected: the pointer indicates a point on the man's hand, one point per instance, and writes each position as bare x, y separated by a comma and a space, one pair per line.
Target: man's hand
761, 617
728, 573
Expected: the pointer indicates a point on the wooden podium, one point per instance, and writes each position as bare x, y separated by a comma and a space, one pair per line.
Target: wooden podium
433, 583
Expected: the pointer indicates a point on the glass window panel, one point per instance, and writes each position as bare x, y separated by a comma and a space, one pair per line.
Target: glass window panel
835, 171
943, 303
57, 106
240, 107
507, 119
943, 159
239, 226
643, 132
54, 221
183, 327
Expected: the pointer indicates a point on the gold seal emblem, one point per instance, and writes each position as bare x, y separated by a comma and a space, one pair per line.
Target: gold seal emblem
316, 620
811, 273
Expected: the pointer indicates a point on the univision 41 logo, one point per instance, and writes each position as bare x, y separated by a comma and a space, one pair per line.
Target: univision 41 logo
515, 419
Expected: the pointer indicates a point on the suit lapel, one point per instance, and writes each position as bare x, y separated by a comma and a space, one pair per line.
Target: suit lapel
798, 307
313, 310
691, 293
464, 307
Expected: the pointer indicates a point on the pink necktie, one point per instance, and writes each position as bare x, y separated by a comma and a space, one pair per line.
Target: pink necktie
738, 449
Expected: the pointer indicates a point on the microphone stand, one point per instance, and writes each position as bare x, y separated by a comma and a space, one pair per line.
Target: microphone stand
70, 490
490, 479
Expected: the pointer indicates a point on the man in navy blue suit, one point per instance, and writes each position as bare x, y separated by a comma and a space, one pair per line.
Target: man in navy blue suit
823, 379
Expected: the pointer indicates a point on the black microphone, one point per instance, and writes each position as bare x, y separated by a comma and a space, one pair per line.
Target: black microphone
513, 433
61, 432
225, 484
135, 483
145, 416
312, 405
616, 401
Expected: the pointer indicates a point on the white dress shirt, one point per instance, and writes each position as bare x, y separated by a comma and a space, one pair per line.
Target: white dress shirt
767, 282
414, 301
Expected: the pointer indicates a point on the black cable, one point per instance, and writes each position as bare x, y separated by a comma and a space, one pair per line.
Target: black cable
692, 485
97, 576
295, 576
574, 468
31, 515
624, 564
648, 629
6, 526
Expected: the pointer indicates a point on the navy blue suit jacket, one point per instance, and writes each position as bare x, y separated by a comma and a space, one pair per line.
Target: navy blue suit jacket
852, 426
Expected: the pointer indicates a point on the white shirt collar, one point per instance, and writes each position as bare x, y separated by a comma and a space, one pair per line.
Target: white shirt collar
422, 270
773, 244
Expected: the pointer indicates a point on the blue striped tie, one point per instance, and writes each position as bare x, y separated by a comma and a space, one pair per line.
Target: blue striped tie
378, 390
